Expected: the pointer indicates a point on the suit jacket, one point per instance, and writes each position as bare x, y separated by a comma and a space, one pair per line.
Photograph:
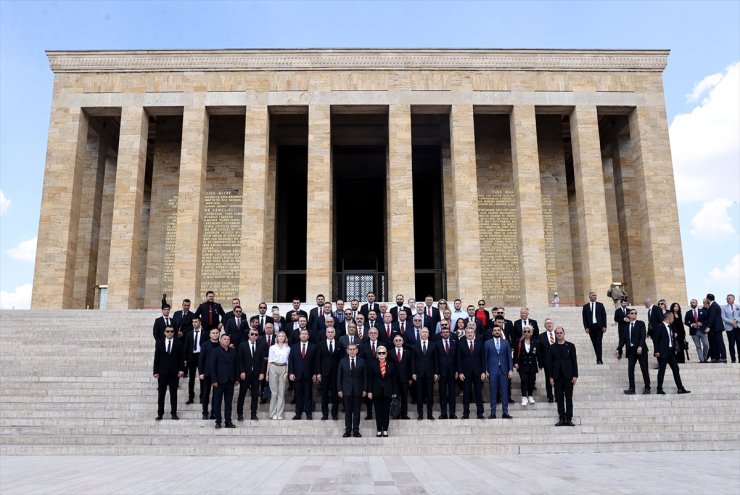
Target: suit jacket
204, 360
519, 330
238, 333
403, 367
394, 312
252, 364
729, 314
203, 312
352, 382
328, 362
600, 315
344, 341
470, 364
289, 315
159, 326
544, 347
317, 327
655, 318
303, 367
224, 365
714, 318
529, 361
168, 364
366, 350
260, 326
410, 336
434, 319
446, 362
276, 325
480, 328
562, 362
619, 315
638, 338
183, 322
189, 341
313, 314
366, 308
689, 319
423, 365
383, 335
498, 361
661, 340
379, 385
508, 331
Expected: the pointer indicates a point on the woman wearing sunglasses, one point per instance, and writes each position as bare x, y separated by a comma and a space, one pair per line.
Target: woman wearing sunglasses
382, 385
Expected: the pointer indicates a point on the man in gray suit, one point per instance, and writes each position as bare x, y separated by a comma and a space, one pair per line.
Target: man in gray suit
352, 386
730, 317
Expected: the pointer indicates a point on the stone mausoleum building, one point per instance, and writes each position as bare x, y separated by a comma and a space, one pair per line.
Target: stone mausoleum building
274, 174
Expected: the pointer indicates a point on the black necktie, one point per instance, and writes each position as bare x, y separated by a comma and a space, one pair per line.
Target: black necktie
632, 326
169, 346
352, 364
331, 346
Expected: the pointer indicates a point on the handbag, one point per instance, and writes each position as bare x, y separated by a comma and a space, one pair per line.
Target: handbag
395, 409
266, 394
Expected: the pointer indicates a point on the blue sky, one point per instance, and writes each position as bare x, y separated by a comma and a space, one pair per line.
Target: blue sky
701, 85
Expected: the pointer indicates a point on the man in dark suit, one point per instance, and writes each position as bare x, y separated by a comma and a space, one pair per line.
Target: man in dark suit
183, 319
169, 366
351, 336
413, 334
224, 373
563, 365
316, 311
194, 341
664, 341
263, 317
352, 386
402, 358
621, 318
302, 371
296, 309
499, 369
161, 323
446, 370
480, 328
507, 327
235, 303
633, 338
294, 335
655, 315
252, 368
433, 315
237, 328
387, 330
317, 326
371, 305
696, 319
399, 308
715, 327
519, 325
368, 352
594, 323
278, 322
210, 312
547, 339
204, 360
471, 370
423, 372
373, 321
329, 354
341, 326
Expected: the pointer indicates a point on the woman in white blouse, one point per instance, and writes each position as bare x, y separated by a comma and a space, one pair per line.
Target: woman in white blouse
277, 373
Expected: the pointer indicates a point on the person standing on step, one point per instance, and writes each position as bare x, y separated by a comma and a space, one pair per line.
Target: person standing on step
446, 367
161, 323
382, 385
329, 354
731, 317
204, 363
594, 323
352, 386
665, 350
169, 367
302, 371
224, 376
423, 373
194, 341
527, 357
471, 368
563, 365
251, 354
497, 356
547, 339
634, 339
211, 313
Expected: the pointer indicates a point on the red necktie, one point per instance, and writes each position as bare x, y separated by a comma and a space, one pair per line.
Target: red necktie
429, 311
403, 328
471, 347
303, 351
388, 330
210, 314
398, 355
373, 346
696, 315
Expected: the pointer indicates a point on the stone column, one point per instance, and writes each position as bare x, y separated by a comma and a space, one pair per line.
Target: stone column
467, 264
254, 274
56, 249
593, 232
662, 255
191, 192
400, 204
125, 248
319, 241
527, 191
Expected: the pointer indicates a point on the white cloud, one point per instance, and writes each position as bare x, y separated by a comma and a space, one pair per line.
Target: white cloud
4, 203
728, 275
703, 86
704, 142
20, 298
713, 222
24, 251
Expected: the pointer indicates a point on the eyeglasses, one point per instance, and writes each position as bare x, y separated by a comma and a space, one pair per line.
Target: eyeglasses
237, 311
253, 334
381, 353
527, 331
169, 331
444, 326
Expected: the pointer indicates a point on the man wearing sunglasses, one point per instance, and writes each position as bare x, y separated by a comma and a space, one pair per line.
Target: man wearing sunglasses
169, 367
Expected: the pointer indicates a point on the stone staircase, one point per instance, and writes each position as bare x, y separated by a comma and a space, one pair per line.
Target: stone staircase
79, 382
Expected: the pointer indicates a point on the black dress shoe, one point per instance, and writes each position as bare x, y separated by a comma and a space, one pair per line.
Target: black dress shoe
550, 400
646, 391
175, 416
189, 401
599, 361
347, 434
296, 417
506, 416
212, 416
368, 417
240, 417
630, 391
420, 417
356, 434
511, 401
430, 417
254, 417
334, 418
480, 416
205, 416
324, 418
491, 416
309, 416
218, 425
569, 423
466, 416
229, 424
684, 391
660, 392
453, 417
442, 416
263, 401
405, 417
158, 418
561, 423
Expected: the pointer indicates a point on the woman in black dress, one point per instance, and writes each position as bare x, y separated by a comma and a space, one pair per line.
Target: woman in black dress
679, 332
382, 385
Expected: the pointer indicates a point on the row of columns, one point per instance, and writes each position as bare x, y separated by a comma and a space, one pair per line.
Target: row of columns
54, 278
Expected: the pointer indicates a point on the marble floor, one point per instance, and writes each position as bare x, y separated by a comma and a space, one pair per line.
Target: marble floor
625, 473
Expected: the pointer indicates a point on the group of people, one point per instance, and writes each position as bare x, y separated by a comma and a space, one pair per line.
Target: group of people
367, 354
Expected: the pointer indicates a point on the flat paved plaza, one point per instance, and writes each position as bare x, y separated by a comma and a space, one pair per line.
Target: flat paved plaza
623, 473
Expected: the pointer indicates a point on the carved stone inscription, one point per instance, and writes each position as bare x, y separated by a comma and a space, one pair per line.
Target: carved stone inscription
221, 241
499, 251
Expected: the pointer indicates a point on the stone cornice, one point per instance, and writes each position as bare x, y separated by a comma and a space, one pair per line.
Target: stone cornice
357, 59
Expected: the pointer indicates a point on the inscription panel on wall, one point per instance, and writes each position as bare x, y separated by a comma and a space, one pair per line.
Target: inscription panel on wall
499, 247
221, 243
169, 242
552, 269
